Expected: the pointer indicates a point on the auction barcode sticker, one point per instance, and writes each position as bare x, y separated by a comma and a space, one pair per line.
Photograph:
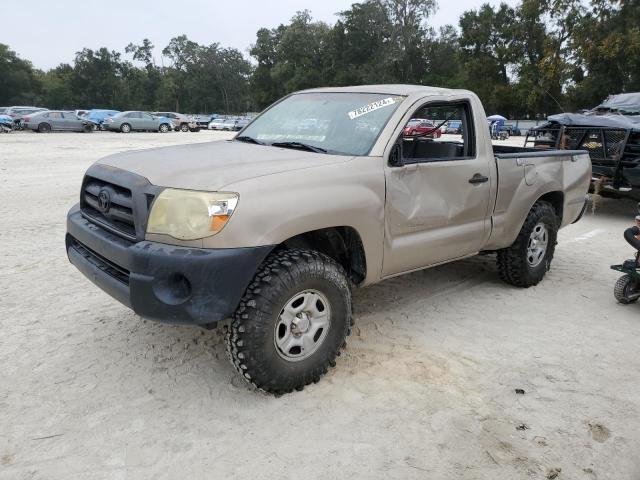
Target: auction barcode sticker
371, 107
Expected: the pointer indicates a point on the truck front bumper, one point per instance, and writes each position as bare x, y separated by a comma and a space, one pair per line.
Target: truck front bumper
162, 282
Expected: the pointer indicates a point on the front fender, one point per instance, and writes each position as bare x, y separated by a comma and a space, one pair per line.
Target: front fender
277, 207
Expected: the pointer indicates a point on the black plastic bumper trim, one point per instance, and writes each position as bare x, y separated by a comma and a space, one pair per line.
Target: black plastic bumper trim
166, 282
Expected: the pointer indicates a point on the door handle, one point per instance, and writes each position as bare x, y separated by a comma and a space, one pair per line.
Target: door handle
478, 178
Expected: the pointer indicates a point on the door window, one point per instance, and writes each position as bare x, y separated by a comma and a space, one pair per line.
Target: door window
425, 137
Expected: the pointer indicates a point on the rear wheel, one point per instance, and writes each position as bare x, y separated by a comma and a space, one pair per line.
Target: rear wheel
526, 262
291, 322
44, 128
624, 288
164, 128
125, 128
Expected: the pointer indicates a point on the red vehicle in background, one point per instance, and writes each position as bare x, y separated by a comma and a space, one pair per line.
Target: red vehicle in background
418, 127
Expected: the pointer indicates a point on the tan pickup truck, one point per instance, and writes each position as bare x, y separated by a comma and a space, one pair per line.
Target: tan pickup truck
325, 191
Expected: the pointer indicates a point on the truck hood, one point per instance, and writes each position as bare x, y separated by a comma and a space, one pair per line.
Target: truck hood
213, 165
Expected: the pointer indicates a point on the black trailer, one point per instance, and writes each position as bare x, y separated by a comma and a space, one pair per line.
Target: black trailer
611, 135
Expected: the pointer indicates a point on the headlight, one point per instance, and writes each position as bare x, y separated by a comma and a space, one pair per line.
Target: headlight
190, 215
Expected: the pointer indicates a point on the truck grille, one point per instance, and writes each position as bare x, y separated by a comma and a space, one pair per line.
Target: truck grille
110, 268
109, 205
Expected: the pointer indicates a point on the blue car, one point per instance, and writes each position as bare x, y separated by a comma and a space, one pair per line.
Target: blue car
99, 116
6, 123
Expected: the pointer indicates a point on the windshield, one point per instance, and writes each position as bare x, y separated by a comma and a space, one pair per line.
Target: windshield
341, 123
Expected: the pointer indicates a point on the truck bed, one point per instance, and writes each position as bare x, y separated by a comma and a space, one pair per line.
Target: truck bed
528, 174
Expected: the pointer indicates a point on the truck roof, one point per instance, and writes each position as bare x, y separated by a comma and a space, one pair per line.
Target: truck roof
391, 89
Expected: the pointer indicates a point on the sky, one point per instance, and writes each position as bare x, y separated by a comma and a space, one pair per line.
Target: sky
49, 32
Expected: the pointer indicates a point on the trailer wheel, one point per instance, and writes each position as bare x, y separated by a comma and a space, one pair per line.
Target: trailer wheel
528, 259
624, 288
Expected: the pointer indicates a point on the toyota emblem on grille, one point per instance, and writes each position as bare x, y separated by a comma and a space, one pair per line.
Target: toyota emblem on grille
104, 201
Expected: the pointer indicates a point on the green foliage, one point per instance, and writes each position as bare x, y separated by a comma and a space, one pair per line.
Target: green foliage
533, 59
199, 79
19, 83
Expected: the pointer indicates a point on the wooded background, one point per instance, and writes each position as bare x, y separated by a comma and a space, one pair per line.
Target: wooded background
528, 61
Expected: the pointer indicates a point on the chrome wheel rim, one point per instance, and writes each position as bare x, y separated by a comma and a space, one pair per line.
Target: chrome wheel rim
537, 246
302, 326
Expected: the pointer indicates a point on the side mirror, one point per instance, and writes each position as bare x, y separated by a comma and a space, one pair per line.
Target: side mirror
395, 157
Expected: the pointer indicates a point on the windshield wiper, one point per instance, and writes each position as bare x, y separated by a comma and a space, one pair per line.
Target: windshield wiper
248, 139
299, 145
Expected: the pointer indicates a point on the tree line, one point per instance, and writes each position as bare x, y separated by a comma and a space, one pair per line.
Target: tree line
531, 60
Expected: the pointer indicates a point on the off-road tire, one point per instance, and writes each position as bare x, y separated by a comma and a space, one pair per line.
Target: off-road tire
621, 289
513, 267
250, 338
44, 128
125, 128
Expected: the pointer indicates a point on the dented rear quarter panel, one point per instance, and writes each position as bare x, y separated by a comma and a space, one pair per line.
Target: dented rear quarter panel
525, 177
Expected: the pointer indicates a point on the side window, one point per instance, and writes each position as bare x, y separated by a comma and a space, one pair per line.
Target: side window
55, 115
428, 138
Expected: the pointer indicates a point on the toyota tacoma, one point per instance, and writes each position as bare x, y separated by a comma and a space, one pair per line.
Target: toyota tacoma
319, 194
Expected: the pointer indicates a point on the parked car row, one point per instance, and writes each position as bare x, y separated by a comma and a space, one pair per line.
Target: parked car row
44, 120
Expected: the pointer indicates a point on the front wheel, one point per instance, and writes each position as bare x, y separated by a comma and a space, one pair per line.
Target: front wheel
184, 127
125, 128
44, 128
626, 287
528, 259
292, 321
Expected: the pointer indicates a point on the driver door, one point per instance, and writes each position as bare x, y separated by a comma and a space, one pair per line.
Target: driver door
438, 195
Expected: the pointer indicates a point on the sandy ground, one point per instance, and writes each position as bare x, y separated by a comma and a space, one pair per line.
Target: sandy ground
425, 389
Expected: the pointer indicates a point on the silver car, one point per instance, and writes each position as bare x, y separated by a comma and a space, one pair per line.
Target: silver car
216, 124
18, 112
58, 121
126, 122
